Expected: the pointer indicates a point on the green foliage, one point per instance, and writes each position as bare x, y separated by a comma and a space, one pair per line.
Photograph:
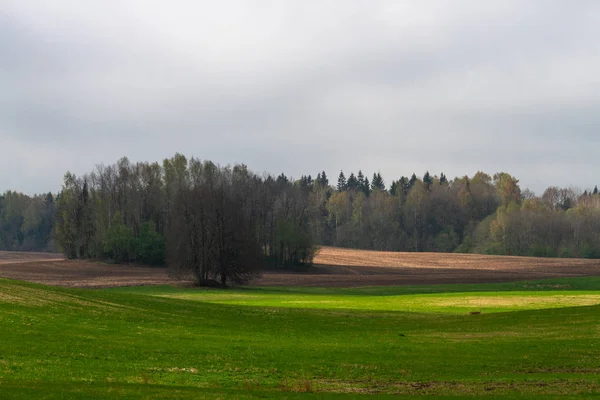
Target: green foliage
119, 241
149, 245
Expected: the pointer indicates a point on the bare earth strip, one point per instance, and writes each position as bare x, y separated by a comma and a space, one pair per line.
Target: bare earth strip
333, 267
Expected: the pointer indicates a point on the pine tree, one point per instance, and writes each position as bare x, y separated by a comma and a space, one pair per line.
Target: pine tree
342, 185
595, 189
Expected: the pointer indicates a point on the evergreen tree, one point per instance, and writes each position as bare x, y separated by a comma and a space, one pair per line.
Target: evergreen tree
322, 179
377, 182
443, 179
366, 188
352, 183
595, 189
404, 186
427, 179
394, 188
361, 179
342, 185
306, 182
412, 181
282, 179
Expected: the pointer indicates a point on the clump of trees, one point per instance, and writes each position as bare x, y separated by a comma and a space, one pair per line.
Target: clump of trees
26, 222
211, 222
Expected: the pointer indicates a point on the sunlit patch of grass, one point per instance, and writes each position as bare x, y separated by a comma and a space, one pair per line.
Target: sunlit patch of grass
453, 302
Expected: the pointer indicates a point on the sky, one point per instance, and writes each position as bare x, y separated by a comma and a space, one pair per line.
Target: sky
298, 87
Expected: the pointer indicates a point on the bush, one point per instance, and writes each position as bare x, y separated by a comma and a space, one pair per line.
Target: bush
150, 245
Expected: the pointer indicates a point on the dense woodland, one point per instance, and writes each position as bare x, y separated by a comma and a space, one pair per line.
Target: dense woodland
226, 222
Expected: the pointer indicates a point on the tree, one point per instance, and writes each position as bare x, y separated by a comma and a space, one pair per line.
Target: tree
352, 183
377, 182
443, 179
341, 185
322, 179
361, 180
412, 181
508, 189
427, 180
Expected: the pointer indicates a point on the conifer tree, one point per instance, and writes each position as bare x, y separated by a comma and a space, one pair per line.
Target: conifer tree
352, 183
427, 179
412, 181
377, 182
323, 181
342, 185
443, 179
394, 188
361, 179
366, 187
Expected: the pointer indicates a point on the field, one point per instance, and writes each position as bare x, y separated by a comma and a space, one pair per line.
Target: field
525, 337
334, 267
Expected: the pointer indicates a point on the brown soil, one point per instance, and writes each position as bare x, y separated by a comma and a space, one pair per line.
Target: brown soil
333, 267
53, 269
348, 268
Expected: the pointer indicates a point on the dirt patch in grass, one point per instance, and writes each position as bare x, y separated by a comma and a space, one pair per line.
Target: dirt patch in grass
476, 388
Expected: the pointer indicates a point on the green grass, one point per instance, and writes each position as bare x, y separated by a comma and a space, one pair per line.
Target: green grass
146, 343
454, 299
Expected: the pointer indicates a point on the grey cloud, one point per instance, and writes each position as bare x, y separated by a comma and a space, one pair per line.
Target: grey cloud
399, 87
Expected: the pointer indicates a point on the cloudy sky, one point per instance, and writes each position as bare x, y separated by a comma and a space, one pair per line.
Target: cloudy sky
302, 86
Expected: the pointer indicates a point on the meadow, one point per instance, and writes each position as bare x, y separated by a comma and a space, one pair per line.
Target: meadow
530, 339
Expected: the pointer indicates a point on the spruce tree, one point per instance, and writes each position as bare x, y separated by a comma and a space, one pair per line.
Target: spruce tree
412, 181
352, 183
361, 179
443, 179
394, 188
366, 187
377, 182
595, 189
324, 181
427, 179
342, 185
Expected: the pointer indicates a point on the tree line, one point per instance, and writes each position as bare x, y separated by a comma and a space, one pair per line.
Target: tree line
225, 223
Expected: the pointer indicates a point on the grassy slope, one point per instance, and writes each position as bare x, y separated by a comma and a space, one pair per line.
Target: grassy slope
455, 299
64, 343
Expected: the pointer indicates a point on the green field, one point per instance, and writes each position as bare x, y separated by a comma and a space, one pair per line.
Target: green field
530, 339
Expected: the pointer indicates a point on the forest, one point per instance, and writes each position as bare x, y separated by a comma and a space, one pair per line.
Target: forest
227, 222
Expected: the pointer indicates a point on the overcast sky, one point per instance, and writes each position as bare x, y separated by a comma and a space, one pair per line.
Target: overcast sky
302, 86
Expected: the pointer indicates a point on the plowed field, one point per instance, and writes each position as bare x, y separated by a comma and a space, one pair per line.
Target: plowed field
333, 267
